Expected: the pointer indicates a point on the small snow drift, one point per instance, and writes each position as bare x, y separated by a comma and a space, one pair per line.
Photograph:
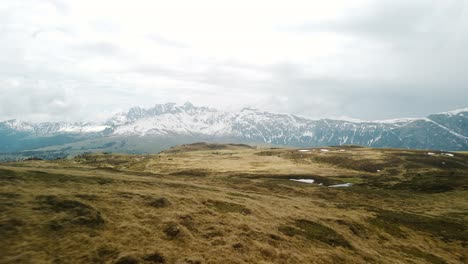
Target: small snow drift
324, 150
448, 154
341, 185
431, 153
304, 150
303, 180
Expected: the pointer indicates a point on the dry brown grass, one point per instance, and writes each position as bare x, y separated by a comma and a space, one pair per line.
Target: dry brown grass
235, 204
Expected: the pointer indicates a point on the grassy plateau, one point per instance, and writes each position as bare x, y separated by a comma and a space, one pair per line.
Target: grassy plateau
232, 203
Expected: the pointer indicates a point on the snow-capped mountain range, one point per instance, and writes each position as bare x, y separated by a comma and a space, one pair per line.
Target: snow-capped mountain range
448, 130
47, 128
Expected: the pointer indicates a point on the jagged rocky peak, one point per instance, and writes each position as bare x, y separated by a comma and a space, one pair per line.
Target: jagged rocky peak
18, 125
136, 113
159, 109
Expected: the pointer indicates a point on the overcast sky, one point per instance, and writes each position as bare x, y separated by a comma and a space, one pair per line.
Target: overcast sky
87, 59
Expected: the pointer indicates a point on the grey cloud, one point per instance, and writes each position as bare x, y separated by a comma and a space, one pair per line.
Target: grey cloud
395, 20
426, 42
420, 67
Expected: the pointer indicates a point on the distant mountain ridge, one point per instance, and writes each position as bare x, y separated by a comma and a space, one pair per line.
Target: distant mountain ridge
188, 123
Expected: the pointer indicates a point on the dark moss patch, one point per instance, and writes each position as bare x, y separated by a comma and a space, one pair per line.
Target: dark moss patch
415, 252
187, 221
103, 181
160, 202
78, 212
347, 162
9, 195
9, 199
456, 215
7, 175
172, 230
225, 207
444, 228
414, 160
191, 173
106, 252
382, 181
128, 260
238, 246
155, 258
10, 226
268, 153
356, 228
57, 225
191, 261
389, 227
315, 232
434, 181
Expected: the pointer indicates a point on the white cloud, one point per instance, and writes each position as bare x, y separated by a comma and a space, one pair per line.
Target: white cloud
83, 59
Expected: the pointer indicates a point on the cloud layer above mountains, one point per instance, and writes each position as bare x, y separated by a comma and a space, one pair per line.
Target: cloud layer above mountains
84, 60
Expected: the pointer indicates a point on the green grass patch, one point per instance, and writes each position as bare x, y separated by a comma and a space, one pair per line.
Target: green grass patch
346, 162
77, 213
353, 180
316, 232
444, 228
434, 181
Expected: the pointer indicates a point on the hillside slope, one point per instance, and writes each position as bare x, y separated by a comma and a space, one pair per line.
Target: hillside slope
216, 203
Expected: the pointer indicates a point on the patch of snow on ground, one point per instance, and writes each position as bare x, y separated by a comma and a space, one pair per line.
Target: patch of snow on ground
324, 150
303, 180
342, 150
341, 185
431, 153
448, 154
303, 150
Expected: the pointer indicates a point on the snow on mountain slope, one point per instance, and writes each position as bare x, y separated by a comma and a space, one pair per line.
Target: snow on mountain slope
447, 130
252, 125
49, 128
170, 118
463, 111
18, 125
